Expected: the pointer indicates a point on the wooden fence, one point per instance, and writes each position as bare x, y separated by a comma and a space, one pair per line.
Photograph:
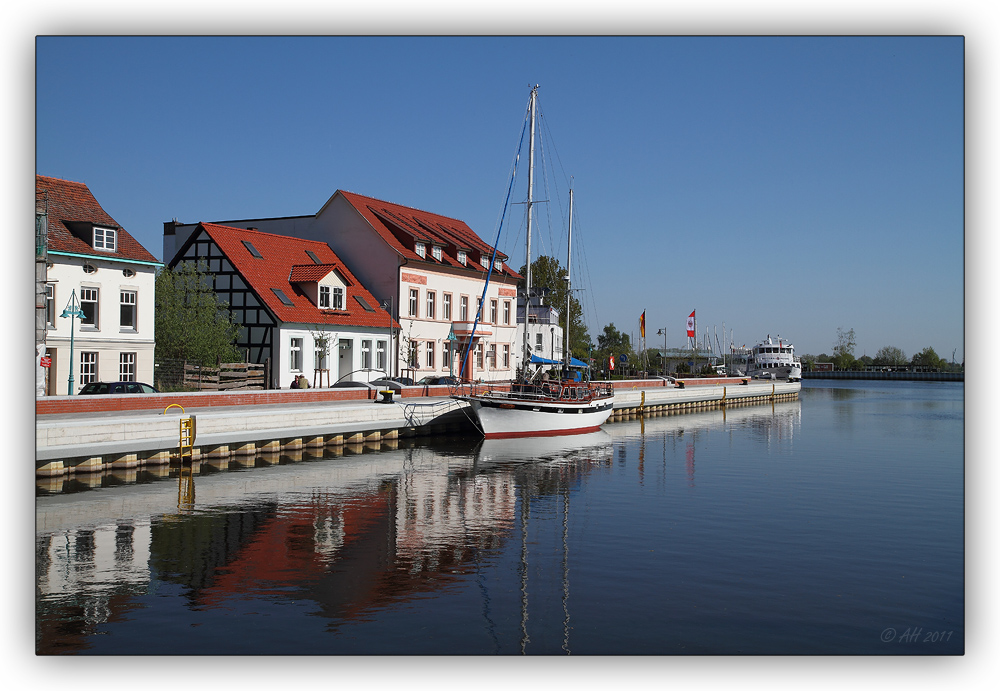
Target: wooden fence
228, 376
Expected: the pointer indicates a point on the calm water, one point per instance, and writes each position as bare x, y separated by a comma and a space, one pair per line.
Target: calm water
832, 524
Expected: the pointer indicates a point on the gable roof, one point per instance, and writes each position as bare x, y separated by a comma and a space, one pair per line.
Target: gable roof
283, 264
310, 273
402, 226
69, 203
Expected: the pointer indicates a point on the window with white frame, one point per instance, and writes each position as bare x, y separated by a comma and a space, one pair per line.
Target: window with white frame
380, 356
338, 298
319, 356
506, 312
479, 355
105, 239
430, 305
430, 354
89, 300
421, 249
493, 312
506, 356
414, 295
366, 354
128, 318
126, 367
538, 341
295, 354
463, 310
446, 354
436, 252
88, 368
324, 297
414, 354
491, 355
498, 264
446, 307
462, 257
50, 304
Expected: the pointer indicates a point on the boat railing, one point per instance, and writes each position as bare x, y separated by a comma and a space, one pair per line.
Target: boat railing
548, 391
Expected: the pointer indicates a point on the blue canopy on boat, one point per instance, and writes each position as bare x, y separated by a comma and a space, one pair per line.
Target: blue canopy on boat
573, 362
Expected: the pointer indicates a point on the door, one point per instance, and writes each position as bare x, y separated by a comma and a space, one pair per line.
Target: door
345, 353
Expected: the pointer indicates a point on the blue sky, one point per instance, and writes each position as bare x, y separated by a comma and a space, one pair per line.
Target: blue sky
778, 185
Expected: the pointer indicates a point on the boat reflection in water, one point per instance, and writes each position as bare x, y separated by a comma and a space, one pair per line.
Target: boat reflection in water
346, 538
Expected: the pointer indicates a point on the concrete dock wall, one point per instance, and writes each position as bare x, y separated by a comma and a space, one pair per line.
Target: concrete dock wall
98, 441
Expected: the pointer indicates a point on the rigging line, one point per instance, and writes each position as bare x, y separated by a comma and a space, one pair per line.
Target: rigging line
493, 254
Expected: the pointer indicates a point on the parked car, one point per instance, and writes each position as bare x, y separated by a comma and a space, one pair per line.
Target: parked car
405, 381
112, 387
387, 384
438, 381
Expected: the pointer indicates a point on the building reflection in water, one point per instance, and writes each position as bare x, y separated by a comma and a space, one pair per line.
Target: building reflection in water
349, 534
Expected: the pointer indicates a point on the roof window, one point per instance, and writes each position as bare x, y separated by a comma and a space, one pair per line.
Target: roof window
281, 295
436, 252
461, 257
312, 255
420, 249
253, 250
364, 303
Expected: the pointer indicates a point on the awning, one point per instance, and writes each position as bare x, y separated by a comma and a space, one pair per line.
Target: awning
573, 362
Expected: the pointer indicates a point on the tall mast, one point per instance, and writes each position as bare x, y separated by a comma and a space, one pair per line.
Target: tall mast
569, 293
527, 262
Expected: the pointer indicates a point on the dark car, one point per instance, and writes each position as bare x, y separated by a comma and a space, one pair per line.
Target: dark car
105, 387
438, 381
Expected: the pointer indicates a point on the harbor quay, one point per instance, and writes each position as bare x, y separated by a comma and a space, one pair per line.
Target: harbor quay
80, 435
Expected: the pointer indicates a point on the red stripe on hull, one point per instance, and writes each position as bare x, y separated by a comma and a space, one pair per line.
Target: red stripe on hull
546, 433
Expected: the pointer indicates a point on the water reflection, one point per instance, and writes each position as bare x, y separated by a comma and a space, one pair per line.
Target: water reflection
349, 535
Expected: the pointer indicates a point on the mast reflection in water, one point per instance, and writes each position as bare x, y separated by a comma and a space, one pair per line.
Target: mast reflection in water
784, 528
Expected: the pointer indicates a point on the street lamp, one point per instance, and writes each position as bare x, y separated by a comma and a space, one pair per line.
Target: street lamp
448, 343
663, 332
72, 311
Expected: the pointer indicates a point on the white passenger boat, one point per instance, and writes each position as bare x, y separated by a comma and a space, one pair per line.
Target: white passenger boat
536, 405
770, 359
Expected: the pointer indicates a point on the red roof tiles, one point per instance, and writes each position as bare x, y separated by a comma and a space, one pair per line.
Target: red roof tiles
402, 226
67, 202
283, 265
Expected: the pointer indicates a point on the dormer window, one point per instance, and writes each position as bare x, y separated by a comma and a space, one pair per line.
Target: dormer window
420, 249
106, 239
436, 252
324, 297
461, 257
484, 260
498, 265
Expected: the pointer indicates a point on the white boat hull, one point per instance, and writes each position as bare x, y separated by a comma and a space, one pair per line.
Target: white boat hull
505, 417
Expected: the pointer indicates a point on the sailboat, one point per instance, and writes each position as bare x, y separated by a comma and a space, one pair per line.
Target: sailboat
536, 405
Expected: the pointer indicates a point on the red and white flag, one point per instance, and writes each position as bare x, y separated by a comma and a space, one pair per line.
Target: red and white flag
691, 325
612, 362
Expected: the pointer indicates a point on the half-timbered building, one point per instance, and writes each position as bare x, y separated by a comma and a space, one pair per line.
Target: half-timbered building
300, 308
454, 298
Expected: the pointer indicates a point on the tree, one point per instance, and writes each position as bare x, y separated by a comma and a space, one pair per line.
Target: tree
546, 272
843, 352
927, 358
890, 356
192, 323
613, 342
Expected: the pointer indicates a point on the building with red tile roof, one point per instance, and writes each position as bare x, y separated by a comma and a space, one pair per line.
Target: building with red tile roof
84, 258
430, 268
299, 306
